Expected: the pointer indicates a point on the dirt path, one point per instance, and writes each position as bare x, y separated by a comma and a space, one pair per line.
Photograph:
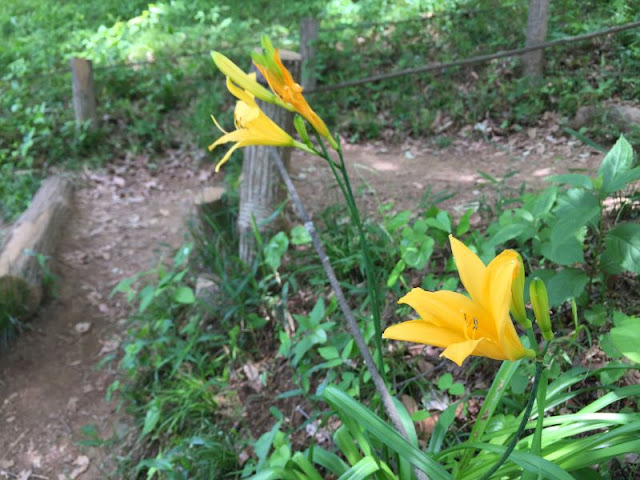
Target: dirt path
127, 217
124, 220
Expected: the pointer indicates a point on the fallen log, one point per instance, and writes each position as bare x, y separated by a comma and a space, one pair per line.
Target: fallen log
33, 238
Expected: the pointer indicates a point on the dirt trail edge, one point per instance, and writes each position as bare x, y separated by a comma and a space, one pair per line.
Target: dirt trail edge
125, 218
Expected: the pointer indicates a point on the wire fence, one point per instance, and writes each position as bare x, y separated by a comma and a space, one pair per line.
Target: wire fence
426, 17
437, 67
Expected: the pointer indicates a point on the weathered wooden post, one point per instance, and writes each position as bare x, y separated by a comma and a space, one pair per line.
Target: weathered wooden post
261, 189
84, 97
536, 34
308, 38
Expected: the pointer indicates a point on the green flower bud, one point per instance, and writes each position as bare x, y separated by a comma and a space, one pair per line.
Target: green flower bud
298, 122
540, 303
517, 297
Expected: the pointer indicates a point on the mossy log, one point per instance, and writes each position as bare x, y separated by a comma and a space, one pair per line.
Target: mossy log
34, 235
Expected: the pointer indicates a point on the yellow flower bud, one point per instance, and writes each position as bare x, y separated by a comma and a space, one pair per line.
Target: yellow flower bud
517, 296
540, 303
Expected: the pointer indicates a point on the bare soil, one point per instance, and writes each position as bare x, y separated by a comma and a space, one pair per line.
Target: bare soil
130, 215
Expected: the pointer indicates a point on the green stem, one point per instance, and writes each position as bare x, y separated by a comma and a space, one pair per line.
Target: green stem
525, 417
372, 284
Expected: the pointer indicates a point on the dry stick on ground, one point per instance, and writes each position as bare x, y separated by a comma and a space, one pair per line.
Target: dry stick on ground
381, 387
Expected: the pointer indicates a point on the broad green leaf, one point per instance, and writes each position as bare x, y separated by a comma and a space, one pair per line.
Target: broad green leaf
622, 249
544, 202
146, 295
566, 249
182, 254
399, 220
184, 295
465, 223
441, 221
264, 443
300, 235
573, 179
456, 389
616, 163
596, 316
418, 253
575, 208
420, 415
329, 353
565, 284
445, 381
507, 233
275, 249
625, 336
151, 420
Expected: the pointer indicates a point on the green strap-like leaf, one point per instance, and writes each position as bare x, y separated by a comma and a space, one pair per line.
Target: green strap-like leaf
361, 470
373, 424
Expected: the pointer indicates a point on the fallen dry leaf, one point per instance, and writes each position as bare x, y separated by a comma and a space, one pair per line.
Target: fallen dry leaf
82, 464
82, 327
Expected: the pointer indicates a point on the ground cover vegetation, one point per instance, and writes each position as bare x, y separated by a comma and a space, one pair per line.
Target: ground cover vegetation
262, 378
153, 76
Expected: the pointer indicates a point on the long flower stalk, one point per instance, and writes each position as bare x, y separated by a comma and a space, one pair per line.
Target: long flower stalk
341, 175
525, 417
352, 324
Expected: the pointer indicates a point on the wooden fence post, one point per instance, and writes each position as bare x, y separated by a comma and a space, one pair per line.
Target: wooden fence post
262, 190
84, 97
536, 34
308, 38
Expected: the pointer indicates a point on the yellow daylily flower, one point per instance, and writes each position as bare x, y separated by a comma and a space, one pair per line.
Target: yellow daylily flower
476, 325
288, 91
246, 81
253, 127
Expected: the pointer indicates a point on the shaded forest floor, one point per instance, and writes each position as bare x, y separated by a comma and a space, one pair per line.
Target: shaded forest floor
128, 216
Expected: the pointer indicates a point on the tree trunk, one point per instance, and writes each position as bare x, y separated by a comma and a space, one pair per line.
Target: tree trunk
308, 38
261, 189
536, 34
84, 97
35, 233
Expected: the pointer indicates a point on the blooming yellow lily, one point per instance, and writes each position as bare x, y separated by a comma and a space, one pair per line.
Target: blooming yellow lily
253, 127
288, 91
476, 325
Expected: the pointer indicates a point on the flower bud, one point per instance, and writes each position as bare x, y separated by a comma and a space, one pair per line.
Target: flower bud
298, 122
540, 303
517, 296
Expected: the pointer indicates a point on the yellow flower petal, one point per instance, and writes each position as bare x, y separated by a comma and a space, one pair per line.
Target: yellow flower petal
421, 331
253, 127
287, 90
458, 352
497, 288
470, 268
